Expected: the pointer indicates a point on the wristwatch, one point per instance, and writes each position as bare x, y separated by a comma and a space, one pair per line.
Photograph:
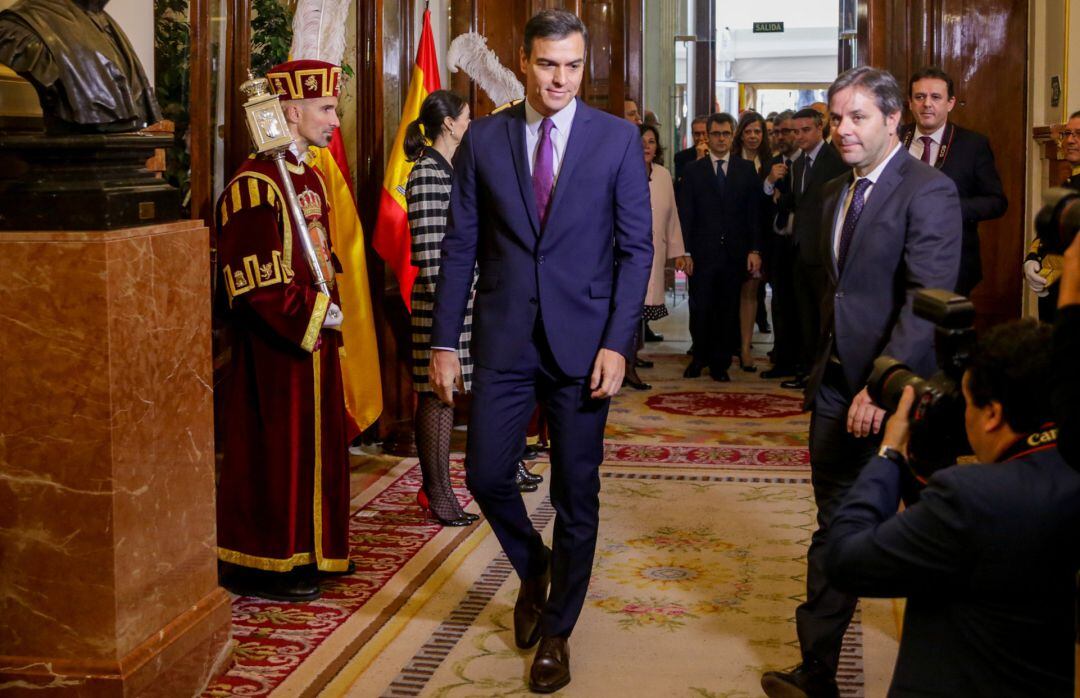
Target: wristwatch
890, 453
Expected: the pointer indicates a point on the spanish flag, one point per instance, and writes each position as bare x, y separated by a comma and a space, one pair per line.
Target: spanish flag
360, 376
391, 239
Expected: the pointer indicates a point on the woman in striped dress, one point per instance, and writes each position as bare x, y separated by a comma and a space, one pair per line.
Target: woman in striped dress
430, 142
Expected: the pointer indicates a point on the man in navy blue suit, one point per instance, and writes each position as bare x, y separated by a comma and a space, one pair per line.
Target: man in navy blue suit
551, 202
719, 203
987, 556
965, 156
890, 226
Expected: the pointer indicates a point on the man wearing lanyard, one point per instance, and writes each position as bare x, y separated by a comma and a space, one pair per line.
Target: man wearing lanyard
964, 156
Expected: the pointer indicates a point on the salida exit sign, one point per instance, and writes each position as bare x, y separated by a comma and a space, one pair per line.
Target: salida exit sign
768, 27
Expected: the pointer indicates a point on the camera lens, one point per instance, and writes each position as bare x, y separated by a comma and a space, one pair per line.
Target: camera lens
888, 380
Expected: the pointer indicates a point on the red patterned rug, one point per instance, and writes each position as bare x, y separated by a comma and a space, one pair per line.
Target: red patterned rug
273, 639
727, 404
738, 457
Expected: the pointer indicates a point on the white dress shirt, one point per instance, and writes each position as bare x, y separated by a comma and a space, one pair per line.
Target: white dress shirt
838, 224
563, 120
724, 162
916, 148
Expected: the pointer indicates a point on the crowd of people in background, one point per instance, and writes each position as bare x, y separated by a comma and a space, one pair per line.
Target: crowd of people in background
769, 237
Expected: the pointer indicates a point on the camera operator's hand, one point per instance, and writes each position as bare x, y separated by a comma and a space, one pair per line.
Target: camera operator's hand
1034, 279
864, 416
898, 428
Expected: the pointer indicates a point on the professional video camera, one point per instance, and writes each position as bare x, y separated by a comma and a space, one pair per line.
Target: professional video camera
938, 437
1058, 221
937, 417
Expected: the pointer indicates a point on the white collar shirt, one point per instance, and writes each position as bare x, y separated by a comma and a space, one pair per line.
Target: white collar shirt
916, 148
724, 161
560, 134
838, 224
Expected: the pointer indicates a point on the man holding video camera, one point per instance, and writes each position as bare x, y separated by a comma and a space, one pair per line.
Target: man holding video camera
988, 554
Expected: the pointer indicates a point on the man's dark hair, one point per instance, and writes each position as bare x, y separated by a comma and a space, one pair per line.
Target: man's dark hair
720, 118
1012, 364
553, 24
784, 116
1074, 115
931, 72
880, 83
808, 113
699, 119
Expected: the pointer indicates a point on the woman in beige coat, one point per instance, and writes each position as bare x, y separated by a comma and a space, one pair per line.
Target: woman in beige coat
667, 237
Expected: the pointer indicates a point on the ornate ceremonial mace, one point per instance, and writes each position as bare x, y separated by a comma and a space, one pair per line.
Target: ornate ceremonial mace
270, 135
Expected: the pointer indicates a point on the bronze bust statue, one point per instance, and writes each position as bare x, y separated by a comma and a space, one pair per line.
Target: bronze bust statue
86, 73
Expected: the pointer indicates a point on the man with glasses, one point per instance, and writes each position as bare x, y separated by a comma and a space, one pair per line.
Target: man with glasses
718, 208
1034, 274
698, 150
963, 155
802, 201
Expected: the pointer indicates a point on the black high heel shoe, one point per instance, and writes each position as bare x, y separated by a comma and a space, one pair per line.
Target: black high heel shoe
464, 520
748, 369
635, 384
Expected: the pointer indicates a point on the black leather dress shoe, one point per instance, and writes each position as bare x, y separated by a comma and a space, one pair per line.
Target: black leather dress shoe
638, 384
720, 375
643, 363
778, 372
524, 474
796, 383
530, 604
291, 587
524, 480
551, 666
800, 682
531, 452
692, 371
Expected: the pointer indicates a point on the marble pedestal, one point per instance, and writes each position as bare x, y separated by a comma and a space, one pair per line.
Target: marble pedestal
108, 576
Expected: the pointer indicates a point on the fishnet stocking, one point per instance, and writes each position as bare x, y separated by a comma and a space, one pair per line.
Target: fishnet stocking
434, 422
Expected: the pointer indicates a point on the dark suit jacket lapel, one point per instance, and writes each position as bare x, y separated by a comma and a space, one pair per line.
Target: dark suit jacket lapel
829, 211
884, 187
515, 131
575, 149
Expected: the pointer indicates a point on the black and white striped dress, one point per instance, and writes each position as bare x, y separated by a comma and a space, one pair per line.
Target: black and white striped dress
427, 198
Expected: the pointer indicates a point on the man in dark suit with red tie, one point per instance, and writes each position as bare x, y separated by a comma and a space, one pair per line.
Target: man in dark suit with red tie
551, 203
965, 156
891, 226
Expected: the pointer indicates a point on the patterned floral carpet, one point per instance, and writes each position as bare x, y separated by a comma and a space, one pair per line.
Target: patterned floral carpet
706, 513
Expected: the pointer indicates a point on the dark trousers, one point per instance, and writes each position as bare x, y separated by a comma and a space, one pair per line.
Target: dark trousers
502, 404
809, 289
836, 458
714, 297
785, 305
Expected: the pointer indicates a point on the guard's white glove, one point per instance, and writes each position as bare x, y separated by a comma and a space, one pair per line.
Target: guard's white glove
333, 318
1035, 281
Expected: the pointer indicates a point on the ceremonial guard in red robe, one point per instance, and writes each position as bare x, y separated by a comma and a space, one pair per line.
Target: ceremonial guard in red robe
283, 491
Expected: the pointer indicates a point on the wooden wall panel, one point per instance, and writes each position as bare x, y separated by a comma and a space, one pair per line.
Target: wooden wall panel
613, 62
983, 45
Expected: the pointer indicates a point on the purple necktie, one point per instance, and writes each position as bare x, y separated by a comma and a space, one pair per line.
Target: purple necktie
926, 141
851, 220
543, 176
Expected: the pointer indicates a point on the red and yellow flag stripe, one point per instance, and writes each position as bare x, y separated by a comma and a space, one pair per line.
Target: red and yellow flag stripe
391, 238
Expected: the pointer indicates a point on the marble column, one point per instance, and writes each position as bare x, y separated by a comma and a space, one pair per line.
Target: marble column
108, 582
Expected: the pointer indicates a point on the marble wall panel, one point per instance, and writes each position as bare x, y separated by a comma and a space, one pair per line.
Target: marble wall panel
107, 522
